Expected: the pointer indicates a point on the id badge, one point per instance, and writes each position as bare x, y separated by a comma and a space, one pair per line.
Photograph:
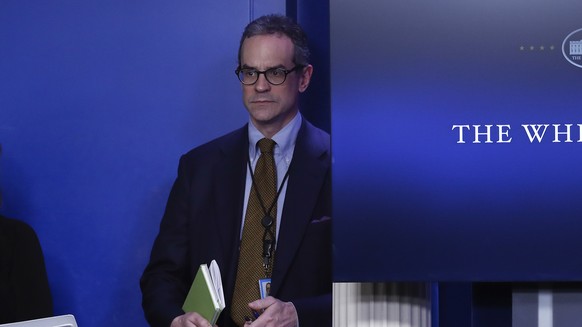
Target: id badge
265, 287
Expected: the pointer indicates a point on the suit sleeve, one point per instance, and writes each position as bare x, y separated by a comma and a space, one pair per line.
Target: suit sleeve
163, 281
314, 311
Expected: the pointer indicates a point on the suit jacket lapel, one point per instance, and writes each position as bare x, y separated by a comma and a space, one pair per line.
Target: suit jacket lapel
307, 171
229, 197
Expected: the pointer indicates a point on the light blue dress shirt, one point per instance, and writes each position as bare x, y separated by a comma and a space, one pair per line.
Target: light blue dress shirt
283, 154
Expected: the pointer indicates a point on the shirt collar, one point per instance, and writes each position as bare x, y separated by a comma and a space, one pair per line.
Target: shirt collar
285, 138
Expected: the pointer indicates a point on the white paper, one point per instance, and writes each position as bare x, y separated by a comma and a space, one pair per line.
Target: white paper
217, 282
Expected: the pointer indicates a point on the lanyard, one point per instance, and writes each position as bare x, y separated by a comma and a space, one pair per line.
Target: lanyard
267, 222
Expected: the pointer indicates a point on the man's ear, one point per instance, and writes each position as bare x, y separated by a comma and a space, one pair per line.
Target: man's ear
305, 78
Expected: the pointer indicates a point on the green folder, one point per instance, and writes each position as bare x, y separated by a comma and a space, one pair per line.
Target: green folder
205, 296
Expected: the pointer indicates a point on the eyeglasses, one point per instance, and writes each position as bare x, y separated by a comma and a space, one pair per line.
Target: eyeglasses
275, 76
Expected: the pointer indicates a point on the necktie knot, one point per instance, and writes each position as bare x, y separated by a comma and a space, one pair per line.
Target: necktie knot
266, 145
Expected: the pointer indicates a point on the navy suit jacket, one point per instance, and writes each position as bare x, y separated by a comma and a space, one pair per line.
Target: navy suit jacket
202, 222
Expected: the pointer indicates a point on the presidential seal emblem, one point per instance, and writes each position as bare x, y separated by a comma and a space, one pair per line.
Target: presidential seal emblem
572, 48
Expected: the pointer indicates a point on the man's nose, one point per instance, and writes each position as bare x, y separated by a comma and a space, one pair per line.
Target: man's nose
262, 85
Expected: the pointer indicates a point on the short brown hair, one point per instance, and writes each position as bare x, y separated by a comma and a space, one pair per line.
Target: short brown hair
279, 24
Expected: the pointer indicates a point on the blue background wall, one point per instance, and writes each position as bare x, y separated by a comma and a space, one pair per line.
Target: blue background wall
98, 99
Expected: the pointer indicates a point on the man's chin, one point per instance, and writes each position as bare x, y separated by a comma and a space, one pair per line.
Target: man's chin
262, 114
260, 121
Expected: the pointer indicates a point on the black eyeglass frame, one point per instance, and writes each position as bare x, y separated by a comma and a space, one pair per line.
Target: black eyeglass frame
264, 72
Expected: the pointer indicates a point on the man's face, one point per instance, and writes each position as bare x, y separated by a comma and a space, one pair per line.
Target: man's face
271, 107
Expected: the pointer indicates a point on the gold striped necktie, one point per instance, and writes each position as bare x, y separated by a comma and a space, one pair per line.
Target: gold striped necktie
262, 203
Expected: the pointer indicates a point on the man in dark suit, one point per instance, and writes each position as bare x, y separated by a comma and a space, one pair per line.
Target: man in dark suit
206, 214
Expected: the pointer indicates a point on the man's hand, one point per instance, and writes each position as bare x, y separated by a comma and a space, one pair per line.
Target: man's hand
190, 319
274, 313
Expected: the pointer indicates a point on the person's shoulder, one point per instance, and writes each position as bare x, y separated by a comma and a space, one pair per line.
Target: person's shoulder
17, 230
312, 134
225, 143
15, 226
308, 126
